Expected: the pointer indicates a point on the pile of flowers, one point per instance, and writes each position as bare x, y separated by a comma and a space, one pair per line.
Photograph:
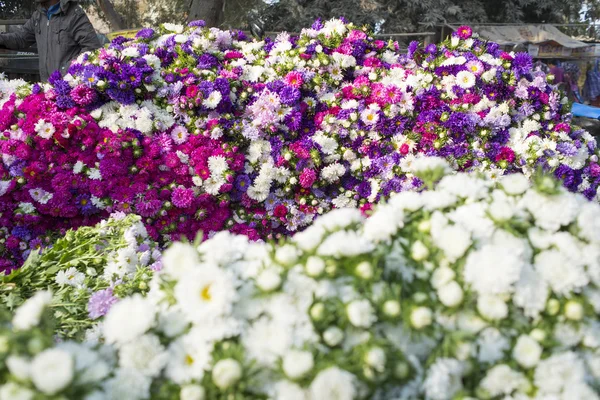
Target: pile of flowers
473, 289
199, 129
88, 271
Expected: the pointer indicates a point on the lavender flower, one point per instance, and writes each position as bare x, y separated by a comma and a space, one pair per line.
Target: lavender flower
100, 303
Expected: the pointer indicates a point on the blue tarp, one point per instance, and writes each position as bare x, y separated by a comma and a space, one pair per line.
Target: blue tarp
581, 110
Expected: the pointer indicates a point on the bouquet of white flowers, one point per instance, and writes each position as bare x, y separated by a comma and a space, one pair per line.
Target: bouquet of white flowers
471, 290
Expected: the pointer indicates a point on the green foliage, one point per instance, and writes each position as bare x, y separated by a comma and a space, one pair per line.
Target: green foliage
83, 255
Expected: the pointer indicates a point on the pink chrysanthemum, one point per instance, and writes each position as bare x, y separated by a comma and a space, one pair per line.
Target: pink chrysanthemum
182, 197
83, 95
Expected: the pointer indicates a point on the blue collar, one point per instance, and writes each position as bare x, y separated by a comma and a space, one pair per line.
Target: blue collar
53, 10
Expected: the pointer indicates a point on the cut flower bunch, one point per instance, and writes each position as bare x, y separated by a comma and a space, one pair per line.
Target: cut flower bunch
199, 129
87, 270
473, 289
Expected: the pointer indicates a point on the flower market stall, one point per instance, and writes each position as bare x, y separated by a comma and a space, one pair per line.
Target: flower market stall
365, 223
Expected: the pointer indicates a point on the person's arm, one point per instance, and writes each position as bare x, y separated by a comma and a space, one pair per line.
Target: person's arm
22, 39
84, 33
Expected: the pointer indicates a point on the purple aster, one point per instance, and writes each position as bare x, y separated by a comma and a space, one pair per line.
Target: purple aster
21, 232
289, 95
146, 33
197, 23
242, 182
100, 303
207, 61
412, 48
85, 205
317, 25
523, 63
121, 96
567, 149
293, 120
65, 102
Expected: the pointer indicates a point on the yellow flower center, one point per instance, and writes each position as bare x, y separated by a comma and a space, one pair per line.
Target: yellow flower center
188, 359
205, 293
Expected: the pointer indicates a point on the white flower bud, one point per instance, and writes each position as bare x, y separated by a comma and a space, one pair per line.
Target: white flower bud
442, 276
421, 317
364, 270
287, 255
268, 280
333, 336
361, 313
419, 251
226, 373
376, 358
527, 351
315, 266
492, 307
451, 294
391, 308
192, 392
574, 310
316, 312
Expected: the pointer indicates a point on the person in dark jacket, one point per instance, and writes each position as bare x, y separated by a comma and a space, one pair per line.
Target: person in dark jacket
61, 30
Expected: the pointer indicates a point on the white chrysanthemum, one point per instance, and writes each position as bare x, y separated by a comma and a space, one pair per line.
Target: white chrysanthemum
19, 367
179, 259
213, 100
346, 244
550, 265
383, 224
267, 340
502, 380
189, 359
40, 195
128, 319
453, 240
44, 129
333, 172
531, 292
28, 315
14, 391
145, 355
90, 367
552, 212
334, 26
588, 222
52, 370
557, 372
493, 269
492, 307
297, 364
70, 277
465, 79
286, 390
206, 292
444, 379
128, 384
176, 28
333, 383
491, 345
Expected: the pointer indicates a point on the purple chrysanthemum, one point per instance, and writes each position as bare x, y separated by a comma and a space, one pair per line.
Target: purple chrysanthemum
100, 303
